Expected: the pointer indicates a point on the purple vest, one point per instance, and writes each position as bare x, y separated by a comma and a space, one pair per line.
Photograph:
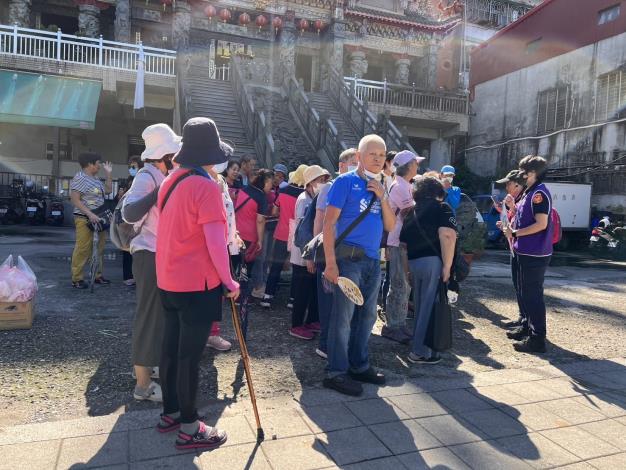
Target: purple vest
540, 243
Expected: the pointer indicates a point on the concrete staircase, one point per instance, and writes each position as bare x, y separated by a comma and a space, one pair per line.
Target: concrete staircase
324, 105
214, 99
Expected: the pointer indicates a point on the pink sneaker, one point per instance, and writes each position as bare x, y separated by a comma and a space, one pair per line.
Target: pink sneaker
314, 327
301, 332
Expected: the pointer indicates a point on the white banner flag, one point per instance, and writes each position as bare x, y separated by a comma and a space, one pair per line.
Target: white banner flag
139, 99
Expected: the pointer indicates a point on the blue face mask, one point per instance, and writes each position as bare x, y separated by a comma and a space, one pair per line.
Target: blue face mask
132, 171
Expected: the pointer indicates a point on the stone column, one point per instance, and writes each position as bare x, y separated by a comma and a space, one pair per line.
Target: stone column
287, 44
19, 12
89, 19
332, 58
403, 67
181, 25
431, 64
358, 64
122, 21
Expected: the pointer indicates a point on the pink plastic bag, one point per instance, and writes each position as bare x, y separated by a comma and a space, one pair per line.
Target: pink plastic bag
17, 283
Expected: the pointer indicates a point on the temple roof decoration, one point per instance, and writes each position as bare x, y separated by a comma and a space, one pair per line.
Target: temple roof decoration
388, 31
417, 22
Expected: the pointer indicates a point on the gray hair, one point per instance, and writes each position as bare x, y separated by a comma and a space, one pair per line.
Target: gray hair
371, 139
346, 155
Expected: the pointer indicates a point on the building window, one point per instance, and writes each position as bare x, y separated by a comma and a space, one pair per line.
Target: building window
532, 46
608, 14
552, 109
611, 95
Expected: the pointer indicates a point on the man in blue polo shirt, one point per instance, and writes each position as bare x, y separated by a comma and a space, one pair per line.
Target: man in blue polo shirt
453, 193
358, 259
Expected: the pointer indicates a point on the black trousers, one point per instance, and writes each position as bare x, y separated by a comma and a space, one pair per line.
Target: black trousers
127, 265
515, 275
304, 286
188, 319
279, 256
385, 285
529, 278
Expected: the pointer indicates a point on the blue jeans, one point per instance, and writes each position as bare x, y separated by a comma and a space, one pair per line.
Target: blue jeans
399, 289
325, 307
426, 273
351, 326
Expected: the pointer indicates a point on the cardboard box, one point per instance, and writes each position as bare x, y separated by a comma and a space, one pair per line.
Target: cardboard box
17, 315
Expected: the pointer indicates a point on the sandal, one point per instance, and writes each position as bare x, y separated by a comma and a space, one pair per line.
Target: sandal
206, 437
79, 284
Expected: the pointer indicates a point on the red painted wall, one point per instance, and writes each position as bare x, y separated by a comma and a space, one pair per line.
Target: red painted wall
562, 25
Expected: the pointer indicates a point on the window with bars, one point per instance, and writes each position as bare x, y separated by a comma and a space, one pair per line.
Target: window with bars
611, 95
552, 109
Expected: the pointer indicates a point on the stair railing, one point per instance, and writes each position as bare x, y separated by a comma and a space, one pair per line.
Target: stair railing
254, 121
355, 111
321, 131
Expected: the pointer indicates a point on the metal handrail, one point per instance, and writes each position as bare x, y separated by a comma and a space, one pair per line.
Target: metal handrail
254, 121
322, 131
408, 96
26, 42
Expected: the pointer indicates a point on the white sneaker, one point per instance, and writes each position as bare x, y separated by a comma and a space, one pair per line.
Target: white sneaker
129, 282
258, 293
266, 301
153, 393
290, 304
321, 353
218, 343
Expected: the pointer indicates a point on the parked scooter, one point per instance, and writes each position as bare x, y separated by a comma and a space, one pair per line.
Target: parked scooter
57, 212
608, 240
35, 205
12, 203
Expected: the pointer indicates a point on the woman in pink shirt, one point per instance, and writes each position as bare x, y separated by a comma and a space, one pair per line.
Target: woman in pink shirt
193, 273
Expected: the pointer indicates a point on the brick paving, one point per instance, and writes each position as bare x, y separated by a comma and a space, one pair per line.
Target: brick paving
570, 417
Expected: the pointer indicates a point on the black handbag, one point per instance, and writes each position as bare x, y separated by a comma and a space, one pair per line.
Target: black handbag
105, 214
439, 332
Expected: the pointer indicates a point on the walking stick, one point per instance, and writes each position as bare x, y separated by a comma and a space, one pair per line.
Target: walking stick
260, 434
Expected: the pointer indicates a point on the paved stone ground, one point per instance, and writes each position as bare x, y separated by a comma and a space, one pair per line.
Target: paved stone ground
543, 417
483, 407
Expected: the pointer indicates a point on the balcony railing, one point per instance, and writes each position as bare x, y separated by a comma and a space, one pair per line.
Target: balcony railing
98, 52
410, 97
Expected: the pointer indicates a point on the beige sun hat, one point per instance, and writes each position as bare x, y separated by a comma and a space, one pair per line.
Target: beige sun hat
313, 172
160, 140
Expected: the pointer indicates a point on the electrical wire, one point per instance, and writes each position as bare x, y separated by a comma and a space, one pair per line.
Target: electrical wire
518, 139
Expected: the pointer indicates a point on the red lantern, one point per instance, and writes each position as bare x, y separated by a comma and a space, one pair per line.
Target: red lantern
225, 14
210, 12
304, 25
244, 19
261, 21
319, 25
277, 23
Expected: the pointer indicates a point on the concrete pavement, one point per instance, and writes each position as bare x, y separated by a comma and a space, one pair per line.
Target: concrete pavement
567, 416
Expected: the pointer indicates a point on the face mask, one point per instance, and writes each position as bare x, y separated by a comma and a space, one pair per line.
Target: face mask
448, 179
370, 175
132, 171
352, 168
221, 168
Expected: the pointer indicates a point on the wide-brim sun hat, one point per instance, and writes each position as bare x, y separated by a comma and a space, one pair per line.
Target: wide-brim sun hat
313, 172
297, 177
202, 144
160, 140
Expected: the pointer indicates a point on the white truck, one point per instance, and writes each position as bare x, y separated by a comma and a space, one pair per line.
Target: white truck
573, 203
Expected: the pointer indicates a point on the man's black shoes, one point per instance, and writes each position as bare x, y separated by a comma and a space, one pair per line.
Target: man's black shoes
344, 384
518, 334
532, 344
370, 376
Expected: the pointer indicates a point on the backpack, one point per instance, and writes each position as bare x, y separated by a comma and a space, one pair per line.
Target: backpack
120, 231
304, 229
555, 220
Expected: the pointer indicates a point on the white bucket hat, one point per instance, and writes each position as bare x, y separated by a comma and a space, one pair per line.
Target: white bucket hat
313, 172
160, 140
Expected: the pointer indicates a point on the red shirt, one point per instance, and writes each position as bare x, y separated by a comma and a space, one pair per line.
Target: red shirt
286, 201
183, 263
250, 202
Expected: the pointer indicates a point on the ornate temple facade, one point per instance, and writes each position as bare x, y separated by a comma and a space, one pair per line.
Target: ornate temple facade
342, 68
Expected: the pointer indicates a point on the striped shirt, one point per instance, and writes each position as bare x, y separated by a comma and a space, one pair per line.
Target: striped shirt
91, 191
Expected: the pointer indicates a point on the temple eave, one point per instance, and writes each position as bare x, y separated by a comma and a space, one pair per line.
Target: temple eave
443, 27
